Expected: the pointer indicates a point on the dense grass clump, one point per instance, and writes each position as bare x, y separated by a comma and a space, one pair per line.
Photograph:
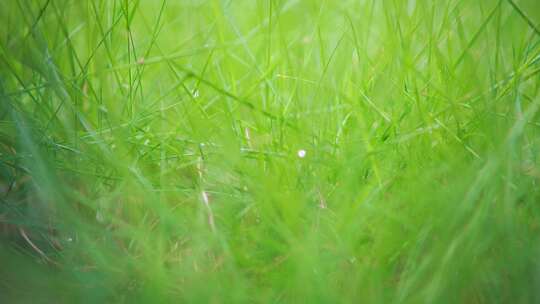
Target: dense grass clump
272, 151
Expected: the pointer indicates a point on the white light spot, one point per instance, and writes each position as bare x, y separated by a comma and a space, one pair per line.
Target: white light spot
301, 153
205, 197
99, 216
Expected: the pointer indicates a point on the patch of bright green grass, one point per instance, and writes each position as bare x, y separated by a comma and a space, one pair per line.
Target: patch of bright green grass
276, 151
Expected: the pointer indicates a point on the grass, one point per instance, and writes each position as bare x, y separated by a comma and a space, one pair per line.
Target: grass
150, 151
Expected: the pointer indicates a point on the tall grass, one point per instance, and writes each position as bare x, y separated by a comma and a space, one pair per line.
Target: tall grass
150, 151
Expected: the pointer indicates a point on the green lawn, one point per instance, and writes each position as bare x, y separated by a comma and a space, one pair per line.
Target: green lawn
269, 151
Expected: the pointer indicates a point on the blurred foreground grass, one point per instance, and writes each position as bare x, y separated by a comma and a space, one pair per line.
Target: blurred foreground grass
276, 151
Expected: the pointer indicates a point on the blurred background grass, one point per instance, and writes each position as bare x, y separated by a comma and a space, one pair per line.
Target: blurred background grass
149, 151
